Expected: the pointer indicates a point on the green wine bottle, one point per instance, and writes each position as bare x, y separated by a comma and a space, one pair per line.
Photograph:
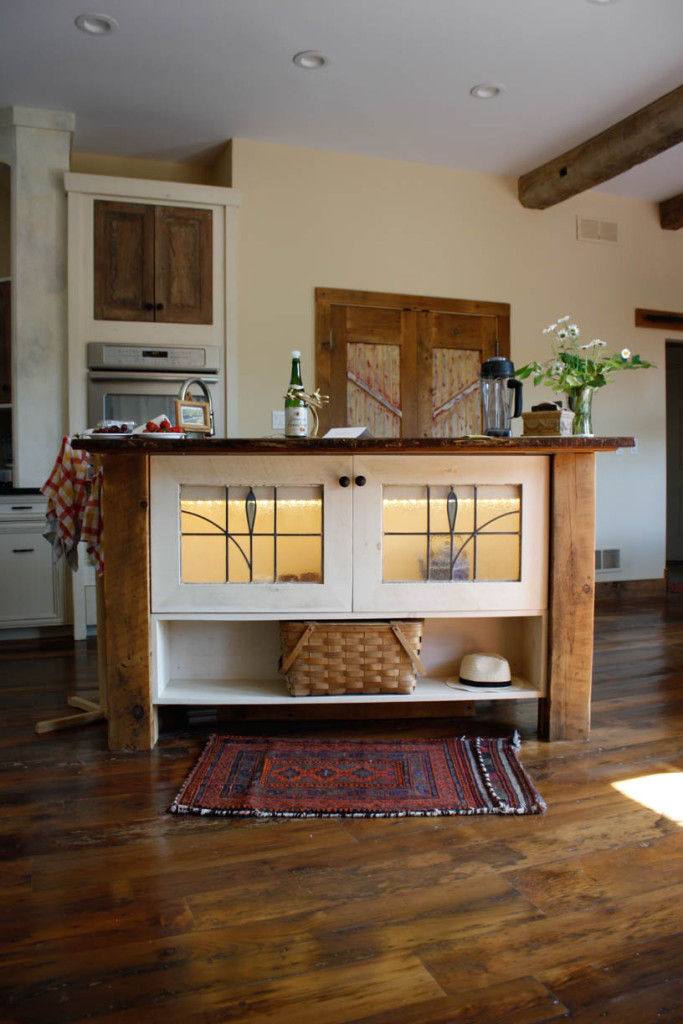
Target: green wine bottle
296, 410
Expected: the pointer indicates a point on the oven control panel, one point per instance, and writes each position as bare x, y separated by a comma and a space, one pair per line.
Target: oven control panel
179, 359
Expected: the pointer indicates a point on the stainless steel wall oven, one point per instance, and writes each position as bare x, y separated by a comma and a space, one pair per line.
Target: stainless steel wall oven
139, 382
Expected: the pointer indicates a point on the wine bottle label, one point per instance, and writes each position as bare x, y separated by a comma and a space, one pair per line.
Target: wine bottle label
296, 421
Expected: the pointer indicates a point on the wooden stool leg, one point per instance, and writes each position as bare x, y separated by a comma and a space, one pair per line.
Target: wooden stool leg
91, 711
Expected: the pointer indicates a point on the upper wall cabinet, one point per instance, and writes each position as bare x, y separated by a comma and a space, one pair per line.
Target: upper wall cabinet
153, 263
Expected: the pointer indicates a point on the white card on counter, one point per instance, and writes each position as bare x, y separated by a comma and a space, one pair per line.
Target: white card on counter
348, 432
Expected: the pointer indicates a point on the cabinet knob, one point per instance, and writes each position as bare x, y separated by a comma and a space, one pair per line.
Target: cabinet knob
149, 305
344, 481
360, 481
160, 305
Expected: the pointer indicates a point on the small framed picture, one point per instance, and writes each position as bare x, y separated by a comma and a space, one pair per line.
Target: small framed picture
193, 417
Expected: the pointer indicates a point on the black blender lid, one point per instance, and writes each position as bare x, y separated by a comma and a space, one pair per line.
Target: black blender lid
498, 366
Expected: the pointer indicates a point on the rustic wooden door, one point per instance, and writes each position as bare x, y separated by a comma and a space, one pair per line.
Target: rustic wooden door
405, 365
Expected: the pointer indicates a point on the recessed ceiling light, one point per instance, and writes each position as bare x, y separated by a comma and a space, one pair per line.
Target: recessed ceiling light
311, 59
487, 91
96, 24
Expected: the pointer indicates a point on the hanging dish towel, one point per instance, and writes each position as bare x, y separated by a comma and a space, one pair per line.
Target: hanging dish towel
74, 507
91, 531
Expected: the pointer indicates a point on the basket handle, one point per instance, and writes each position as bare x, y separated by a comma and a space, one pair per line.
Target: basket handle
400, 636
294, 653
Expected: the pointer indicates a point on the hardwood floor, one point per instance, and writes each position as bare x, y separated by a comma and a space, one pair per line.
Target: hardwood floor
114, 910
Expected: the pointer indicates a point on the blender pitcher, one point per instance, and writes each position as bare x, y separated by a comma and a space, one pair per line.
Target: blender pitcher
498, 386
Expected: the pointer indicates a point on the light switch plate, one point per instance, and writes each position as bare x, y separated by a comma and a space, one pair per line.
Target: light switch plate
278, 419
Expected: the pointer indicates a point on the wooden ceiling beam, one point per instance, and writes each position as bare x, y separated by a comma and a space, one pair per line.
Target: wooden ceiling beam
637, 138
671, 213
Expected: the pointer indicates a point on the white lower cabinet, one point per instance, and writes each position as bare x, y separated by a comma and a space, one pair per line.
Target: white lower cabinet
240, 542
32, 584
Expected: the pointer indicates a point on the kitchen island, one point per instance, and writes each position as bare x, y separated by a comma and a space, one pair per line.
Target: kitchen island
210, 543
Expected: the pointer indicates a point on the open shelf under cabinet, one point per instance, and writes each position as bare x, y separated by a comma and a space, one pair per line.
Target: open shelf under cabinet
227, 662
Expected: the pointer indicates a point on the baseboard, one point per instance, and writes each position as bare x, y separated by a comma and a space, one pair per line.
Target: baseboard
621, 590
12, 633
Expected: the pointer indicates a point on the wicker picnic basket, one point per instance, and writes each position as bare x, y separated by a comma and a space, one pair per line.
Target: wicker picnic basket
326, 658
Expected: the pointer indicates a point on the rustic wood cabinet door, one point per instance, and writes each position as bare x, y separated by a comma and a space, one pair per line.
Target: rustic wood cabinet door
405, 365
124, 261
372, 354
153, 263
451, 349
182, 263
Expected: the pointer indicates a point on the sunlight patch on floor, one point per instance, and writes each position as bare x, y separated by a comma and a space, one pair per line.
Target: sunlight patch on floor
662, 793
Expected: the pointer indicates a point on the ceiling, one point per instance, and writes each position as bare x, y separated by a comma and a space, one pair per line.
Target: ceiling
180, 77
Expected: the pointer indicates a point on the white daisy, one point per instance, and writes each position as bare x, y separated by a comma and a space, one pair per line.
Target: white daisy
625, 353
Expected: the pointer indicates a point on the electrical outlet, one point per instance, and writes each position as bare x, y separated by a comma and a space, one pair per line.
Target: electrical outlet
278, 420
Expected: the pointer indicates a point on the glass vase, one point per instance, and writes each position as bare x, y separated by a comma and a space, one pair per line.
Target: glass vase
581, 403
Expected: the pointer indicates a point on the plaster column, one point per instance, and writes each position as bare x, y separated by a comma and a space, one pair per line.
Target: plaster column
37, 146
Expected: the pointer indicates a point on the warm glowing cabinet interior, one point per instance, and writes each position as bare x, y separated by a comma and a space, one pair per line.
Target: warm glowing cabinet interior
362, 534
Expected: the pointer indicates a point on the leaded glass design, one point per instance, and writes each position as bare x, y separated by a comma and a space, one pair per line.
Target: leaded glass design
251, 534
458, 534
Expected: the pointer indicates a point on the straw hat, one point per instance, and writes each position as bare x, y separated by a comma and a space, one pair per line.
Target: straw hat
485, 671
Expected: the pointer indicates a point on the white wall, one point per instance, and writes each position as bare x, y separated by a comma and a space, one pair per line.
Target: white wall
313, 218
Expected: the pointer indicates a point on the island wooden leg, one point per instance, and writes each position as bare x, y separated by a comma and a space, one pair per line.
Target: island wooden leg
565, 713
130, 713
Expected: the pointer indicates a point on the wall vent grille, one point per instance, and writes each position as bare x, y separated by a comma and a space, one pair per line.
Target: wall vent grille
589, 229
608, 559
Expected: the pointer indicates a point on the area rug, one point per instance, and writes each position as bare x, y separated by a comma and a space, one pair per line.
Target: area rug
301, 778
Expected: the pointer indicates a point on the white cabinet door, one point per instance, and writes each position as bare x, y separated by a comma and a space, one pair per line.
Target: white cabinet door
450, 533
246, 534
31, 594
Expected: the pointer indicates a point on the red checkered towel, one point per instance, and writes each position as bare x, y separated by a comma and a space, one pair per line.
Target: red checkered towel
91, 531
74, 500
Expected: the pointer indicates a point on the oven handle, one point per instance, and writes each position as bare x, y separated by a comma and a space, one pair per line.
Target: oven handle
150, 375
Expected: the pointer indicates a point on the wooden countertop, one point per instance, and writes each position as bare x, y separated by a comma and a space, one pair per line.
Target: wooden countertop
149, 445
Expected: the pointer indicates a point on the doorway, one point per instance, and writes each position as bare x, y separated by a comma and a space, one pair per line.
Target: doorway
405, 365
5, 328
674, 464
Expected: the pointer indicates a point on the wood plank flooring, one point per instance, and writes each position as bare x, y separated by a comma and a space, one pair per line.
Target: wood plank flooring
115, 911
